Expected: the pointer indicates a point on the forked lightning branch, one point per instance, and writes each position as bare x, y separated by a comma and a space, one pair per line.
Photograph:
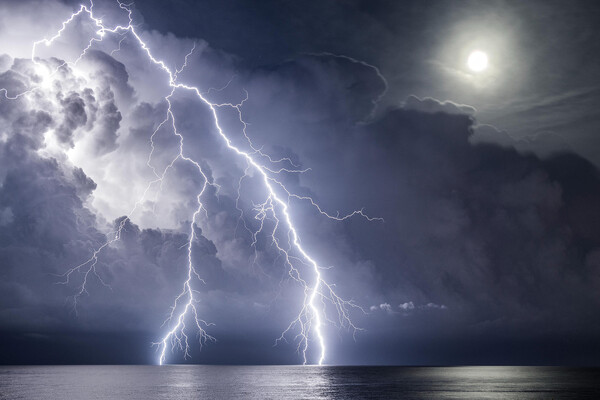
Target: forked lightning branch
184, 320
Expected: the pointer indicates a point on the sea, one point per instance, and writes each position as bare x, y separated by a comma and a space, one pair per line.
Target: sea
179, 382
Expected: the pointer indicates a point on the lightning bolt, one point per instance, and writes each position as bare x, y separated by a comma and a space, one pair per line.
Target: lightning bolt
276, 207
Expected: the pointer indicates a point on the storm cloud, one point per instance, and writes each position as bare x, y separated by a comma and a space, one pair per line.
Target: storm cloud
485, 239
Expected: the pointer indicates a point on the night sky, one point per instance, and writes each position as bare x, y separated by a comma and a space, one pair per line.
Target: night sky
488, 182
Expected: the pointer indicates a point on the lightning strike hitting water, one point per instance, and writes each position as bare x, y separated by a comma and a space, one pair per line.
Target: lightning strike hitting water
275, 207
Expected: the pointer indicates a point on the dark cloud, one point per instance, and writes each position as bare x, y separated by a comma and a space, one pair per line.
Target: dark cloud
486, 229
544, 144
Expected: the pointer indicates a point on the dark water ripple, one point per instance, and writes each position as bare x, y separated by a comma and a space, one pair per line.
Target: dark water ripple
294, 382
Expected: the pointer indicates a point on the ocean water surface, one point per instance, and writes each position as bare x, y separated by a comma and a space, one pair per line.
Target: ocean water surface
109, 382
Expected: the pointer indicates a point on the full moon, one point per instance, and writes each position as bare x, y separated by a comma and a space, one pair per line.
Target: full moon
478, 61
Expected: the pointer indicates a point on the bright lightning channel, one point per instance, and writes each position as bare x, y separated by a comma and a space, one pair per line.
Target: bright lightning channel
311, 316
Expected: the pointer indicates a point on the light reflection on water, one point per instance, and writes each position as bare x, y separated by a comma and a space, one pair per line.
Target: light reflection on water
296, 382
